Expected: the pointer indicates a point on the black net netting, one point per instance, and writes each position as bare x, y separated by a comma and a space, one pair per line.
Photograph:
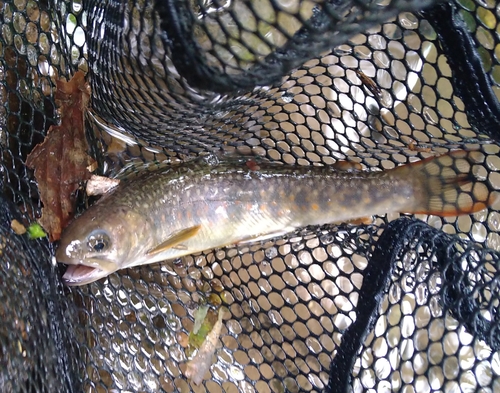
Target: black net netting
404, 303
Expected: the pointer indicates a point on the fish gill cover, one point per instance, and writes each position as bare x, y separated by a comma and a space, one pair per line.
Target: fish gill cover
395, 305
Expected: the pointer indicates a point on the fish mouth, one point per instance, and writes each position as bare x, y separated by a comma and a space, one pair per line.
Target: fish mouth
85, 272
81, 275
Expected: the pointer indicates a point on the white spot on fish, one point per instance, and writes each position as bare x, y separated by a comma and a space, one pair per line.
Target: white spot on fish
72, 248
221, 210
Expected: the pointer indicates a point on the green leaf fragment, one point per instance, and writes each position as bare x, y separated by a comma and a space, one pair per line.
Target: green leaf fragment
35, 231
205, 319
199, 318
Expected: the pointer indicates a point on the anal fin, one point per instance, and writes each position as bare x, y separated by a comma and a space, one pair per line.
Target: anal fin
347, 166
361, 221
267, 236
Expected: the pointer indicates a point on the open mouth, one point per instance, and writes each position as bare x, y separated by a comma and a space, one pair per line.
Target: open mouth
81, 275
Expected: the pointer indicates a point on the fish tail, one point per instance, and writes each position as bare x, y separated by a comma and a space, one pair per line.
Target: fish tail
446, 186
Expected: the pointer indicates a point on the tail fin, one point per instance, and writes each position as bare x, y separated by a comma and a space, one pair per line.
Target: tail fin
446, 185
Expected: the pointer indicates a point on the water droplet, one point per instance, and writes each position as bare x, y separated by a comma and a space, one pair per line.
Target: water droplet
236, 373
409, 259
297, 246
271, 252
494, 221
212, 159
327, 238
343, 50
286, 97
493, 241
479, 232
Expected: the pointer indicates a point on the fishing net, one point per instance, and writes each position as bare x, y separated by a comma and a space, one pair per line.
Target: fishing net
400, 304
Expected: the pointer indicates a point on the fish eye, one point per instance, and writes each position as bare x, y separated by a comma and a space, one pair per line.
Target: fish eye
98, 241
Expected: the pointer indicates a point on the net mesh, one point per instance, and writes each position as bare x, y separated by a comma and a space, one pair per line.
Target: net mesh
397, 305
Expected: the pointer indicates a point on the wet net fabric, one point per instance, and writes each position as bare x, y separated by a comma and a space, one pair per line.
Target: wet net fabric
34, 340
402, 304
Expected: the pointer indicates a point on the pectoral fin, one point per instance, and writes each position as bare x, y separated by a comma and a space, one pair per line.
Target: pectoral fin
175, 240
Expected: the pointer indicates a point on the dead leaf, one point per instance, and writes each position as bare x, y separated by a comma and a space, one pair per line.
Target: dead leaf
60, 162
92, 167
204, 321
369, 83
413, 146
198, 366
17, 227
99, 185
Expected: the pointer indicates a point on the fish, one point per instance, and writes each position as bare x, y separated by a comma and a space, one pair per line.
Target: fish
216, 201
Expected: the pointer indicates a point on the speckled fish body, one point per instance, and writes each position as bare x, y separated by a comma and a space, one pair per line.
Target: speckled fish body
234, 200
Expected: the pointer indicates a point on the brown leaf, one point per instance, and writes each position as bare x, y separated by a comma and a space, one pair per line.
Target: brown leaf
200, 364
17, 227
99, 185
61, 160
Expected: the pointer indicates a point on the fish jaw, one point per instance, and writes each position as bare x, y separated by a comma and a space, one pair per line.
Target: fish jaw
77, 275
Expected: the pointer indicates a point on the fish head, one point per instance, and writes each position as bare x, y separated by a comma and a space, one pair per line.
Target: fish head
100, 242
